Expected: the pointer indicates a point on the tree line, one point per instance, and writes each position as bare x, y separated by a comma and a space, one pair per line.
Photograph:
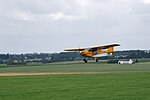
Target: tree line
66, 56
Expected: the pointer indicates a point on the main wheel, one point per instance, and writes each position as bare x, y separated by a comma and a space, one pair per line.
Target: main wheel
96, 60
85, 60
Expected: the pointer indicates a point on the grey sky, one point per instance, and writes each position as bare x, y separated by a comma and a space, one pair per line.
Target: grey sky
52, 25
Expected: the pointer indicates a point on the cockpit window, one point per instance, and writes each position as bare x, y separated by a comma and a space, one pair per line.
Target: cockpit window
93, 49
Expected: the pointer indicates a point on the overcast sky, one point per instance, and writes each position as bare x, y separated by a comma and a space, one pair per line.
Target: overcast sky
52, 25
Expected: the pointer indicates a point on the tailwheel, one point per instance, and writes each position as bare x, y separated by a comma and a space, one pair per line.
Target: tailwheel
85, 60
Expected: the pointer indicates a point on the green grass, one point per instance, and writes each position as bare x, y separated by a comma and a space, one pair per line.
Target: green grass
77, 67
122, 82
144, 60
110, 86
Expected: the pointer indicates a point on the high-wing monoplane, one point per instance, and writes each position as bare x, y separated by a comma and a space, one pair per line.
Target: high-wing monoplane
95, 51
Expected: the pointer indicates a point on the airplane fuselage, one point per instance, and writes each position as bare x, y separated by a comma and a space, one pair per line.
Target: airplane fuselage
97, 53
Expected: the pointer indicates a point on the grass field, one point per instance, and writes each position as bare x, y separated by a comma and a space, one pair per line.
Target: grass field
110, 82
76, 67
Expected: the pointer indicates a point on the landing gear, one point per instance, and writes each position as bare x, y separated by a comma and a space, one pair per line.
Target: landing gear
85, 60
96, 60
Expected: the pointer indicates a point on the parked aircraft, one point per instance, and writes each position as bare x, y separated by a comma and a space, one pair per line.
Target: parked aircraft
126, 62
96, 51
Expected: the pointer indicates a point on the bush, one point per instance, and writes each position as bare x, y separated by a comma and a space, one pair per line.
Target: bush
113, 61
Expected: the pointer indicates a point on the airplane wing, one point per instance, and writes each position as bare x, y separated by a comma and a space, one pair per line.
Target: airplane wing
75, 49
94, 48
105, 46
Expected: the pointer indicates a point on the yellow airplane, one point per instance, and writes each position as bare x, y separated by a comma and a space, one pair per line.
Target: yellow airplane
96, 51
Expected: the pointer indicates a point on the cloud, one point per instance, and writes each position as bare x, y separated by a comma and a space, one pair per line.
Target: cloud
145, 1
52, 25
60, 15
24, 16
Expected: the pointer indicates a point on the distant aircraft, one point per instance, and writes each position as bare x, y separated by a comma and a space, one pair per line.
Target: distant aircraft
126, 62
96, 51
